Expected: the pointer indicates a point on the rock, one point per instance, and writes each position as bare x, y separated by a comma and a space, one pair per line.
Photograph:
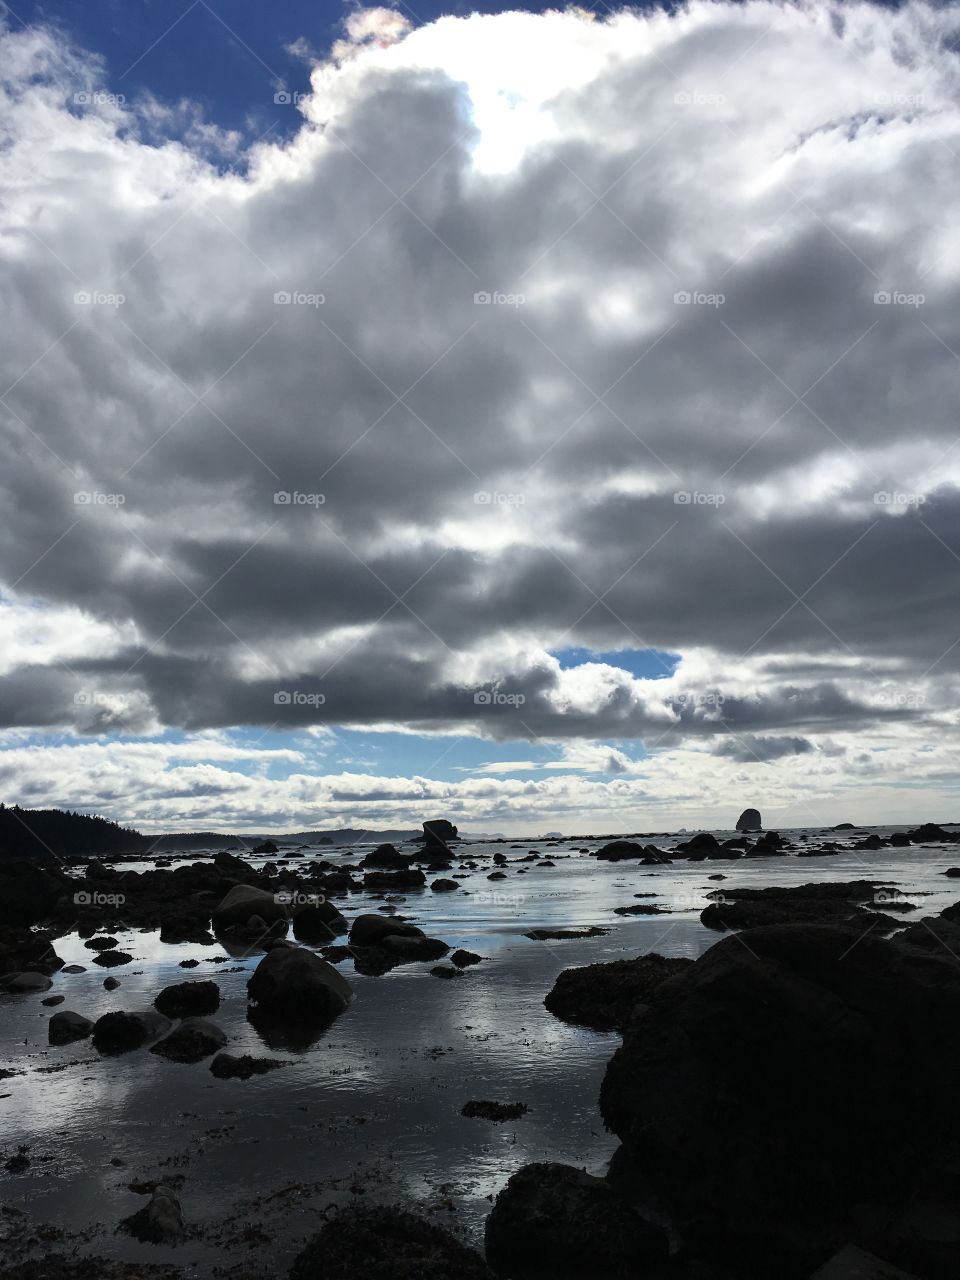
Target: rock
53, 1000
111, 984
463, 958
619, 850
187, 927
243, 902
230, 865
121, 1032
553, 1222
226, 1067
380, 1242
561, 935
318, 923
414, 948
188, 999
29, 890
160, 1221
702, 845
194, 1040
438, 831
929, 833
65, 1027
266, 846
446, 971
407, 879
744, 1050
25, 950
386, 857
291, 985
852, 1263
749, 820
845, 826
369, 930
496, 1111
73, 968
444, 886
835, 902
769, 844
497, 875
604, 996
111, 959
953, 872
899, 840
102, 942
15, 983
640, 909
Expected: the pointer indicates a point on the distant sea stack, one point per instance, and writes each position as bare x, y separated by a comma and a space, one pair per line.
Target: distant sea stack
438, 832
749, 820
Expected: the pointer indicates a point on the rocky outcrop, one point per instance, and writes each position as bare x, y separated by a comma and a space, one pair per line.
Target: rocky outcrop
605, 997
553, 1222
227, 1067
748, 1050
834, 902
367, 1244
749, 820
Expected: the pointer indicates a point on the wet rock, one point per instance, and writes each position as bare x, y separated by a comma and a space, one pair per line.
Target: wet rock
318, 923
111, 984
29, 891
953, 873
160, 1221
192, 1041
53, 1000
293, 985
702, 845
553, 1222
188, 999
462, 959
446, 971
183, 927
103, 942
111, 959
244, 902
227, 1067
27, 951
121, 1032
769, 845
744, 1051
367, 1244
834, 902
235, 868
407, 879
562, 935
444, 886
605, 996
73, 968
16, 983
65, 1027
929, 833
386, 857
749, 820
497, 875
497, 1111
640, 909
409, 948
620, 850
369, 930
265, 847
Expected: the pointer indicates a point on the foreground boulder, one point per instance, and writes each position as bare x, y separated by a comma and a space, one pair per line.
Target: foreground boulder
188, 999
553, 1222
385, 1242
605, 996
787, 1044
194, 1040
17, 983
294, 988
65, 1027
122, 1032
158, 1222
243, 903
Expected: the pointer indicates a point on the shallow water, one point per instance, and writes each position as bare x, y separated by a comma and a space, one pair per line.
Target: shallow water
371, 1112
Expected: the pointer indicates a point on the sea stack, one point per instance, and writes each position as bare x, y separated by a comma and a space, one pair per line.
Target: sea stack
749, 820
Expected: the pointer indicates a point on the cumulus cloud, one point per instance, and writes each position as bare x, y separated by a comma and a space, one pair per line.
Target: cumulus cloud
541, 332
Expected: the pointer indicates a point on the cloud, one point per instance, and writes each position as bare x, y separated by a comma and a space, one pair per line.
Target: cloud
541, 332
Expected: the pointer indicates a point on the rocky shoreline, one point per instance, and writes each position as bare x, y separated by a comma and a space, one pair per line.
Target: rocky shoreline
785, 1103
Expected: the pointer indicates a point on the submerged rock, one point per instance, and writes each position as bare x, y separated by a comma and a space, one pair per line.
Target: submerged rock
370, 1243
160, 1221
227, 1067
496, 1111
604, 996
562, 935
553, 1222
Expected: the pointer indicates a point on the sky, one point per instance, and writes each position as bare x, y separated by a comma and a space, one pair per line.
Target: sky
543, 419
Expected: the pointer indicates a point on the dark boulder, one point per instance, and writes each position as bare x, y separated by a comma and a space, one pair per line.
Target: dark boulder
444, 886
192, 1041
386, 857
371, 1243
553, 1222
929, 833
29, 891
604, 996
410, 878
65, 1027
318, 923
369, 930
227, 1067
620, 850
265, 847
112, 959
834, 902
188, 999
121, 1032
293, 987
702, 845
748, 1050
158, 1222
245, 902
